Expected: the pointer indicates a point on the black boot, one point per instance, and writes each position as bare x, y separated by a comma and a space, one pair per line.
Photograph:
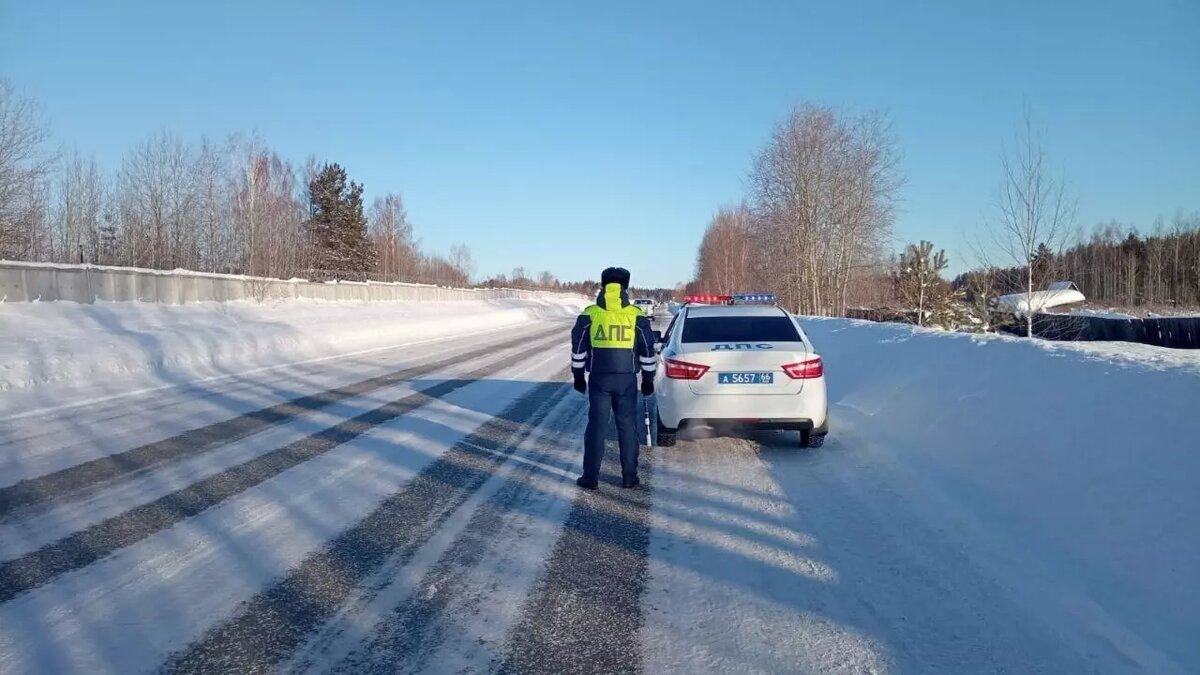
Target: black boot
587, 484
630, 482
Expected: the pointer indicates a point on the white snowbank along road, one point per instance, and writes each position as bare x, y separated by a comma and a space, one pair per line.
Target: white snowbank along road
389, 488
116, 347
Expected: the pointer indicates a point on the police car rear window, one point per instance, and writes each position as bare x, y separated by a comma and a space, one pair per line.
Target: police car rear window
739, 329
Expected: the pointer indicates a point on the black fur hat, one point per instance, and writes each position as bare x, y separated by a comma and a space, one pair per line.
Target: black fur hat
615, 275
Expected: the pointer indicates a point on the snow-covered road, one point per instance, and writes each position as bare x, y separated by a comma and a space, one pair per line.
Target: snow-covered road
412, 509
810, 562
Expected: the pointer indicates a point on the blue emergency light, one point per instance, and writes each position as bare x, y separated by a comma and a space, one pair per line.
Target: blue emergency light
754, 298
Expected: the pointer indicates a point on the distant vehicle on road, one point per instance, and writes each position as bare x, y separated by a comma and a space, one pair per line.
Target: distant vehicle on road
647, 305
742, 361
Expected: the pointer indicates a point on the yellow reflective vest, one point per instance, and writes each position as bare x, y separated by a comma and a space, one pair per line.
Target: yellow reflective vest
613, 336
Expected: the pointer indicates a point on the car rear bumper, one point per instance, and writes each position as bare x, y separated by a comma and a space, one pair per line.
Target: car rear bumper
773, 424
678, 407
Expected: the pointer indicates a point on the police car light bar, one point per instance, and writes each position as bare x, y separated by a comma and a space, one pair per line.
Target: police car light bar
707, 299
754, 298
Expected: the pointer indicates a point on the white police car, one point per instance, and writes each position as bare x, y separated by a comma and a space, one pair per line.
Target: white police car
739, 360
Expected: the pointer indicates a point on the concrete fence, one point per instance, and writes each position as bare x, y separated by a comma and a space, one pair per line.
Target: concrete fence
44, 282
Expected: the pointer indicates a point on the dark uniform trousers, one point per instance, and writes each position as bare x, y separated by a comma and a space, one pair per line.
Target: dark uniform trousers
615, 393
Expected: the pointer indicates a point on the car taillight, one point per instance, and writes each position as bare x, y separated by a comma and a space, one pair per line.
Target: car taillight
805, 370
682, 370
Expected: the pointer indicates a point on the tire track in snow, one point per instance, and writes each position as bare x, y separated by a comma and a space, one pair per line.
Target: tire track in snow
82, 548
585, 614
269, 627
735, 582
59, 485
453, 605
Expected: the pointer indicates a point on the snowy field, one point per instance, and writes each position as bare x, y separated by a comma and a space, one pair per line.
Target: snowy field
315, 488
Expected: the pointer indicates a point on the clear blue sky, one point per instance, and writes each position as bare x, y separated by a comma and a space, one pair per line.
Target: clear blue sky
569, 136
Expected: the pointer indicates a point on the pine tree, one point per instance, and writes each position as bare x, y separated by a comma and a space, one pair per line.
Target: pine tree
1043, 263
108, 252
337, 225
919, 284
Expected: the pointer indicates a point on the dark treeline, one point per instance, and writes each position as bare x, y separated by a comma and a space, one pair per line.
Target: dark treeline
547, 281
233, 206
520, 278
1116, 265
658, 294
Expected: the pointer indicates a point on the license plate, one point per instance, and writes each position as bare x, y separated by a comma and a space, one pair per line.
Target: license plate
745, 378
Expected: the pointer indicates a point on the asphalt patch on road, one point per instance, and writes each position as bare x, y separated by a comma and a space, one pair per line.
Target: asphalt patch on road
585, 614
60, 485
269, 627
82, 548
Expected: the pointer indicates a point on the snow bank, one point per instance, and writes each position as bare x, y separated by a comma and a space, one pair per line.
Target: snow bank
1100, 313
72, 346
1074, 465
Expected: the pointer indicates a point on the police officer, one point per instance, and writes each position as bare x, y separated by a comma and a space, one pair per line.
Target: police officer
612, 340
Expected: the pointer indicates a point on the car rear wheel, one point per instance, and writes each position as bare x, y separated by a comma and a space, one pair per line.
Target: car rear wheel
666, 437
810, 440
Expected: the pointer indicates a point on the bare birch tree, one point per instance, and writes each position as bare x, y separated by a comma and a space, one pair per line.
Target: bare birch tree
79, 210
25, 168
158, 196
268, 215
823, 193
1033, 208
216, 245
723, 264
392, 233
462, 260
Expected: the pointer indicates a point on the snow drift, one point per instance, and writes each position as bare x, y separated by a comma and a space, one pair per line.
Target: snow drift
65, 350
1074, 465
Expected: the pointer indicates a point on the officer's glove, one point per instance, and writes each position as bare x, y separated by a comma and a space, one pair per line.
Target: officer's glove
580, 383
647, 386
